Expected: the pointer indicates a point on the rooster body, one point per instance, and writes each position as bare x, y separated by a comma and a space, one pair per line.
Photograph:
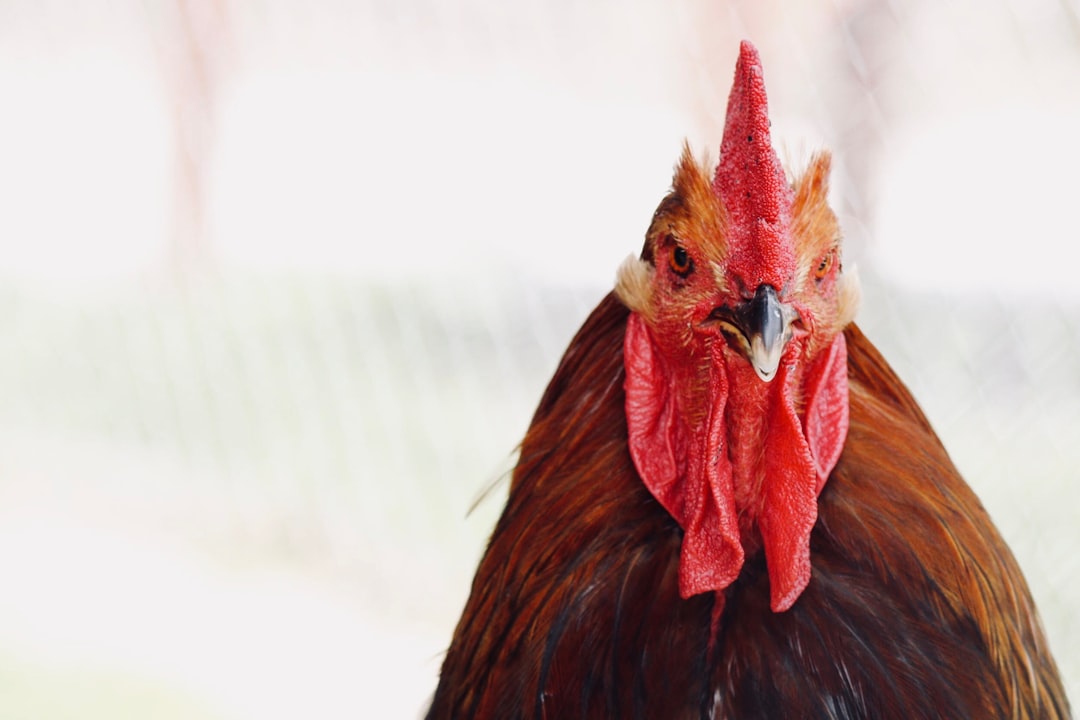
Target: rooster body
658, 557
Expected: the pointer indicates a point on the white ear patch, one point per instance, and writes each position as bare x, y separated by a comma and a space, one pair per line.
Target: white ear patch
849, 296
633, 285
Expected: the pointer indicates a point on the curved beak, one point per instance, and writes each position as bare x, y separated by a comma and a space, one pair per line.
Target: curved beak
769, 328
761, 328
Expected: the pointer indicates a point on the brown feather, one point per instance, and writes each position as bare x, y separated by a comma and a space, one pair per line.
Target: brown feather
916, 608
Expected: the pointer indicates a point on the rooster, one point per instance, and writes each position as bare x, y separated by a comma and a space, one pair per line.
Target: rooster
728, 505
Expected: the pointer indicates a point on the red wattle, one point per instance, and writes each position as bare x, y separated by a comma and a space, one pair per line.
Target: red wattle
685, 468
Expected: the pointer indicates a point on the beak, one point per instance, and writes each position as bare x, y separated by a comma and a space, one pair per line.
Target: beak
760, 329
768, 331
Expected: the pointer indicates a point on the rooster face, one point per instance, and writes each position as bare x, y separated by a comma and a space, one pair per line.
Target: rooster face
736, 377
698, 283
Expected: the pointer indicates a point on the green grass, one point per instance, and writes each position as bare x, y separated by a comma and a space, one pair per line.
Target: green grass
32, 691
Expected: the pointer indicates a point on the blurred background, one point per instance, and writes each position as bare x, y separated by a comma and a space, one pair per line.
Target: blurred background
281, 283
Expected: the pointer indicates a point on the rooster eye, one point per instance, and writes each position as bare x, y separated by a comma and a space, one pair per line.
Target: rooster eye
680, 261
825, 265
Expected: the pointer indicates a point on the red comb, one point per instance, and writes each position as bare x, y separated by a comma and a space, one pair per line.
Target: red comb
751, 183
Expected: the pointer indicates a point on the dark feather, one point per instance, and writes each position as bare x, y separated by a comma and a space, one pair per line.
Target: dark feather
916, 608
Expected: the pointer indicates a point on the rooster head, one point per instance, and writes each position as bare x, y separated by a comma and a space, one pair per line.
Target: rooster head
736, 367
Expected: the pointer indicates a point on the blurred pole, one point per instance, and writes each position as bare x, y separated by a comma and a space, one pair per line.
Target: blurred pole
195, 47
